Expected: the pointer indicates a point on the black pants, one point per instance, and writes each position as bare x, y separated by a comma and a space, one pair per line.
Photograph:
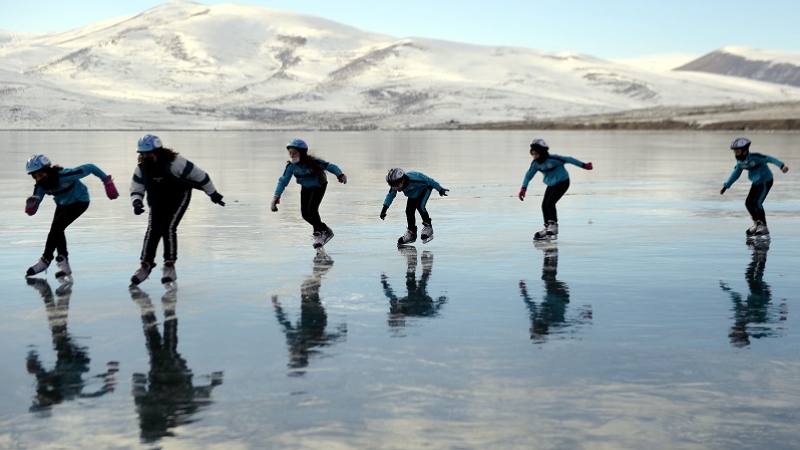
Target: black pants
310, 199
755, 200
63, 217
163, 224
418, 204
551, 196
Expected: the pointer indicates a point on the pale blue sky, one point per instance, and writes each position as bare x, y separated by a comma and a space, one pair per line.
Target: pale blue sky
605, 29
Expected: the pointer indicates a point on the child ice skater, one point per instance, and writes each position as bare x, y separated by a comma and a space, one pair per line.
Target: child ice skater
417, 187
168, 179
309, 172
72, 200
556, 178
759, 174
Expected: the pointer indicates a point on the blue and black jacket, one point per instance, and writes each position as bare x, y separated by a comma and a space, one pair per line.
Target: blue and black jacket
305, 176
756, 166
552, 170
70, 189
418, 184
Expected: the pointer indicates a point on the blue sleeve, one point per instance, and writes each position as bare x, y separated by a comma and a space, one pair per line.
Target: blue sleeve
572, 161
737, 172
529, 176
283, 181
775, 161
387, 202
431, 182
330, 167
69, 175
38, 191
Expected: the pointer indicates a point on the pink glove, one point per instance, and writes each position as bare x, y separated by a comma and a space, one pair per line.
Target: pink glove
588, 166
111, 190
32, 204
522, 193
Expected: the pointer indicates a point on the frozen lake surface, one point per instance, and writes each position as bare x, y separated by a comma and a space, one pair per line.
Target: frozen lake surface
649, 323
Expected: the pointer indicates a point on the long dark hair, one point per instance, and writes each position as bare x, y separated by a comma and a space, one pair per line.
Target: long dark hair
311, 162
162, 155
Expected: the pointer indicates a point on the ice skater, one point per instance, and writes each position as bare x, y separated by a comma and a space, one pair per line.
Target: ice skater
556, 178
418, 188
72, 200
168, 179
759, 174
309, 172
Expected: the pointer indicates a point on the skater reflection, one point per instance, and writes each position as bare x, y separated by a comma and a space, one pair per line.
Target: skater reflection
65, 381
306, 336
166, 397
417, 303
755, 317
550, 316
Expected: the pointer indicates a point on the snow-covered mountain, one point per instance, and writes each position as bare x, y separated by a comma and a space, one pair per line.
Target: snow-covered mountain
186, 65
756, 64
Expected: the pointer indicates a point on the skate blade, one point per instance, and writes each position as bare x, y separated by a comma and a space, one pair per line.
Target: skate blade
65, 279
170, 285
426, 240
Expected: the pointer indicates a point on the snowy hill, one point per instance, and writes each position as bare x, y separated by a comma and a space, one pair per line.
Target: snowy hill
186, 65
756, 64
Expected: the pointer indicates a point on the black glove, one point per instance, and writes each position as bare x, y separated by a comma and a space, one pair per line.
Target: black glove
216, 197
383, 212
138, 207
722, 191
443, 192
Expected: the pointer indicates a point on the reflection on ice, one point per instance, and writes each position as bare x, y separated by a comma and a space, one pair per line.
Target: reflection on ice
755, 317
166, 397
304, 337
549, 316
417, 303
64, 381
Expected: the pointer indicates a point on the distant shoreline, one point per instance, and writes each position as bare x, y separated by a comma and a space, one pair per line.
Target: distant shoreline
771, 117
776, 125
739, 125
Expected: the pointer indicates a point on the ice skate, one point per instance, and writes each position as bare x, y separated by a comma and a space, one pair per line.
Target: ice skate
168, 273
39, 267
541, 235
142, 273
64, 271
752, 230
322, 237
761, 230
407, 238
427, 233
552, 229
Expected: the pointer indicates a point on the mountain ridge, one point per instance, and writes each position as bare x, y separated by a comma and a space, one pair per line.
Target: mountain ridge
187, 65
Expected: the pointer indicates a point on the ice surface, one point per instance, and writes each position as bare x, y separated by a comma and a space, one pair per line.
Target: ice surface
649, 323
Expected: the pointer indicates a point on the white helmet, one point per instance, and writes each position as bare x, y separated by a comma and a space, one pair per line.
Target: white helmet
37, 162
539, 145
148, 143
394, 176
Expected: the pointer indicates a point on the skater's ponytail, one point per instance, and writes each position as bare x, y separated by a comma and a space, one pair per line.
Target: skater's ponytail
312, 164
